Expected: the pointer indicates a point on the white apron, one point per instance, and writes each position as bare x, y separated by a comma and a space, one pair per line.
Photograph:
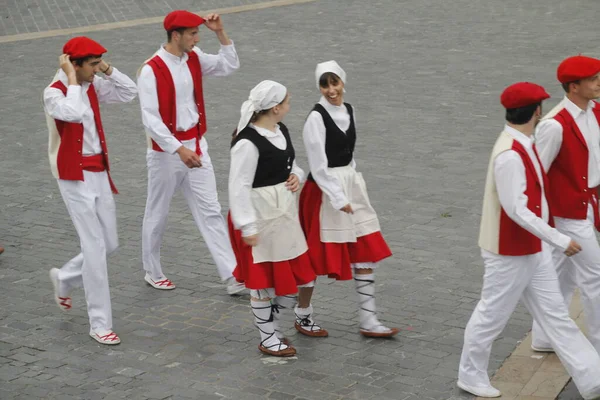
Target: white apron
340, 227
280, 235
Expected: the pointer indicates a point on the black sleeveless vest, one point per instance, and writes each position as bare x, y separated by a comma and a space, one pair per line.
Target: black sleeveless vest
339, 145
274, 165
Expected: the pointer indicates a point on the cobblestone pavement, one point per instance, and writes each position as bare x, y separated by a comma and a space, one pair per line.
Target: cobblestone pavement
425, 79
24, 16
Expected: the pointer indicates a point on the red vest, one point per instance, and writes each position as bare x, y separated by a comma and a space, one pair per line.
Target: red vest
514, 240
167, 104
70, 161
568, 174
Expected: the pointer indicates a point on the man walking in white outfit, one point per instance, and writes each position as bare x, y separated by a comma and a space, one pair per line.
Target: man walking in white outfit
568, 140
515, 241
171, 97
79, 160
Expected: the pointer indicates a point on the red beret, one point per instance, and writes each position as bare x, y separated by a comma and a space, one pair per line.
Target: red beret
577, 67
182, 19
82, 46
523, 94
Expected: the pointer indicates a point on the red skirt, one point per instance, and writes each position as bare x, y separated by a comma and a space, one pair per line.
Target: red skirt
334, 259
284, 276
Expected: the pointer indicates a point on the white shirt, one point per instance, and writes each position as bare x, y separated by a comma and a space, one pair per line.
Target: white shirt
75, 106
244, 161
511, 182
222, 64
314, 135
548, 138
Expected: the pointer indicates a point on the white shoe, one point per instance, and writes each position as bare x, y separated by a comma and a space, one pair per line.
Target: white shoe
541, 349
163, 284
234, 287
105, 337
481, 391
64, 303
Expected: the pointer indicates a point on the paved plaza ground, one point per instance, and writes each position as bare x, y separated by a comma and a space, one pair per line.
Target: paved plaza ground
424, 77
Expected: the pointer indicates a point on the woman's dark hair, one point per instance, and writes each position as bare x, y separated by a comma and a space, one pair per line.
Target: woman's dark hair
328, 78
521, 115
79, 61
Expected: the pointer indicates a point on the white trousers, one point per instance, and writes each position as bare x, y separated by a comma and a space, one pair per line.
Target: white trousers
533, 279
166, 174
91, 205
581, 270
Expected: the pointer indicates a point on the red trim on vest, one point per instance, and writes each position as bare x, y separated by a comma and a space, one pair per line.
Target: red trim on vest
568, 174
165, 88
515, 240
69, 160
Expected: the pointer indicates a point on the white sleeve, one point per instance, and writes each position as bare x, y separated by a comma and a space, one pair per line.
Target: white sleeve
69, 108
222, 64
548, 140
244, 160
151, 116
296, 170
353, 163
116, 88
314, 140
511, 183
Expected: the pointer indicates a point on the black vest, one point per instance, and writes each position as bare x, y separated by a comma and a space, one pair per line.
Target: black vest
274, 165
339, 145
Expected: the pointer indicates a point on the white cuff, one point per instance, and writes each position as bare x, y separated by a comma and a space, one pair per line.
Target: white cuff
172, 145
228, 46
249, 229
339, 203
563, 242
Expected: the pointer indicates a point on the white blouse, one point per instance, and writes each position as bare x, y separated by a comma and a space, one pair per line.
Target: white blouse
314, 135
244, 161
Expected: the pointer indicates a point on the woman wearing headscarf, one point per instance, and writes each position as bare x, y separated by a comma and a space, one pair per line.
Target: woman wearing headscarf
264, 228
341, 226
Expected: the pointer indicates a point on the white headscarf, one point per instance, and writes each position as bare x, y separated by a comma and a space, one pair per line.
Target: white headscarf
264, 96
329, 66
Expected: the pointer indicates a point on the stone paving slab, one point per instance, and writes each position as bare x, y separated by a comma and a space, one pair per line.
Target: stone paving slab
26, 16
424, 78
527, 374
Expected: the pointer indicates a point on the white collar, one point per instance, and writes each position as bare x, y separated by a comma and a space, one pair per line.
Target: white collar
574, 109
163, 53
330, 107
526, 141
266, 132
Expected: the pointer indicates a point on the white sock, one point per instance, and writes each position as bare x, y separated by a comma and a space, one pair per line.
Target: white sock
281, 303
263, 317
304, 318
365, 287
